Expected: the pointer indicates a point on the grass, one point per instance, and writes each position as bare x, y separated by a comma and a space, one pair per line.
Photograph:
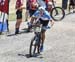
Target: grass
12, 17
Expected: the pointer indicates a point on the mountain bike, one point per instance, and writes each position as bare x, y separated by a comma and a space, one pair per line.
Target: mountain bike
36, 40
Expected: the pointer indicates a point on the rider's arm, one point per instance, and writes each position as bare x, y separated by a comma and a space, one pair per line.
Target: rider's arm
32, 19
34, 16
50, 19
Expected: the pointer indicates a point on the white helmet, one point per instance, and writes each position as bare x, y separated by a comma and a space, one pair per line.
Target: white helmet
41, 8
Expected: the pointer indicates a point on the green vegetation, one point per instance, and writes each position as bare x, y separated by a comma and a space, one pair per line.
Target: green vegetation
12, 17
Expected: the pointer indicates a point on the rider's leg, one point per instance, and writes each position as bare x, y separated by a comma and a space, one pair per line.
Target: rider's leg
42, 40
43, 37
44, 23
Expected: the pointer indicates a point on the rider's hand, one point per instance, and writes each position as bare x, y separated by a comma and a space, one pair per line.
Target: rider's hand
29, 24
52, 22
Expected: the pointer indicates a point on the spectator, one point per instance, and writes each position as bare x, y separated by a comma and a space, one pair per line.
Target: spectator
64, 4
49, 6
19, 8
32, 7
72, 4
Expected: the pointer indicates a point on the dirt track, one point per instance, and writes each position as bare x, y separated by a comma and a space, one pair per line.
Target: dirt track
59, 44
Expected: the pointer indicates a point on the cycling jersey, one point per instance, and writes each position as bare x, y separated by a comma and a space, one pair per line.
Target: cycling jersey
45, 16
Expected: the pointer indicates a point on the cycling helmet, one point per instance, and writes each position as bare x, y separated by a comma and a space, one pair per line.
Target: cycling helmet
41, 8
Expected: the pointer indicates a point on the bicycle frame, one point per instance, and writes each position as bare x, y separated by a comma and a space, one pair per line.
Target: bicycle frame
54, 6
53, 3
37, 31
37, 39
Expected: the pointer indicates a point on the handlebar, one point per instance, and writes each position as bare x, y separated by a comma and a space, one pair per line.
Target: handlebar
38, 25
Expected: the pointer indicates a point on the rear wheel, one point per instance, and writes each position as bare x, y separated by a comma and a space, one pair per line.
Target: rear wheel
57, 13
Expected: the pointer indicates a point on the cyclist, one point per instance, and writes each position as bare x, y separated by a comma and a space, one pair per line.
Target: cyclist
44, 18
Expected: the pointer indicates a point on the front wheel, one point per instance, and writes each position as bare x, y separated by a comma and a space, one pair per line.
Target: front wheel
34, 45
57, 13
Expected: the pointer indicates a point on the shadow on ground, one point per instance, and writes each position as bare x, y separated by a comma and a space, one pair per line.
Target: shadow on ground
22, 32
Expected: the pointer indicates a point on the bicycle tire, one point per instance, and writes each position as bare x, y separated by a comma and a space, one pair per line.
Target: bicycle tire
55, 9
32, 49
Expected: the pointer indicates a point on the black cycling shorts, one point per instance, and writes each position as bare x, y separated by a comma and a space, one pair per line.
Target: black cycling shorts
44, 22
19, 14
